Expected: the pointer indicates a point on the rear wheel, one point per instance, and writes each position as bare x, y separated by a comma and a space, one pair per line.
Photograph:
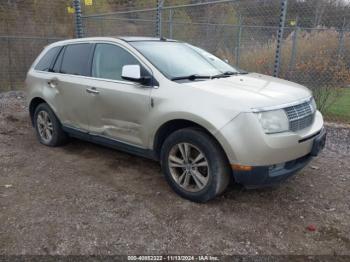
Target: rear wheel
194, 165
48, 128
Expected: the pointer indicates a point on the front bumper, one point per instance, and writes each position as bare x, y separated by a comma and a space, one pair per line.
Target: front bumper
262, 176
245, 143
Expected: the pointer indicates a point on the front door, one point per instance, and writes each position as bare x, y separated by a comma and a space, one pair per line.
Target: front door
118, 108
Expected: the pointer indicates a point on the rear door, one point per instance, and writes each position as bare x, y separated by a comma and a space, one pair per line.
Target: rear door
118, 108
69, 79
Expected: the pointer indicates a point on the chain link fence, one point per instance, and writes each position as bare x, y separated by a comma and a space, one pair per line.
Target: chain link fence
303, 41
232, 29
307, 42
26, 27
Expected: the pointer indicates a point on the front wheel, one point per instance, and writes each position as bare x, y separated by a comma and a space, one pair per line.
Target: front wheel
194, 165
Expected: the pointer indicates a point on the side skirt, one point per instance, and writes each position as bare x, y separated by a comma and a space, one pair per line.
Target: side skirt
111, 143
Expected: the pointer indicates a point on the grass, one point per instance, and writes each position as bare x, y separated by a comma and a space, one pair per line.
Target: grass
340, 109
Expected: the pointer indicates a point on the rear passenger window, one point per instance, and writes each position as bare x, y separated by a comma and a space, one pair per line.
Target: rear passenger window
76, 59
109, 61
46, 61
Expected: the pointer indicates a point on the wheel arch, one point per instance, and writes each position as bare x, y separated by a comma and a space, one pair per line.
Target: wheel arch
171, 126
33, 105
34, 102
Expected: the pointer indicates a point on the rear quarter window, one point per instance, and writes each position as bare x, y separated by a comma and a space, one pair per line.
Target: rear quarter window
57, 66
46, 61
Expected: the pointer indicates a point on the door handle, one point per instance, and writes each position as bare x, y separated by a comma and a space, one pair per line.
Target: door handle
92, 90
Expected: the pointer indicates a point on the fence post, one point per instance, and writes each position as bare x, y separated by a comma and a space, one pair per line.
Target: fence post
79, 33
238, 41
341, 42
9, 60
171, 14
294, 49
280, 32
101, 27
159, 18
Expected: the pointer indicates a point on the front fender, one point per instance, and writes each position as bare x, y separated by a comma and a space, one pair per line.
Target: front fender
186, 116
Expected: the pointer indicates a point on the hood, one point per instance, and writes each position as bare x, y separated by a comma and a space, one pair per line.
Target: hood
254, 90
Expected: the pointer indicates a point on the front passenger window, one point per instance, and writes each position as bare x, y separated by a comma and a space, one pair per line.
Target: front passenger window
109, 60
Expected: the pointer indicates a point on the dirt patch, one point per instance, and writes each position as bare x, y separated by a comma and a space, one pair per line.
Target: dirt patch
11, 118
86, 199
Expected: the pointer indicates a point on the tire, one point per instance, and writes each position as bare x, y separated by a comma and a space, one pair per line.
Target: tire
58, 136
214, 177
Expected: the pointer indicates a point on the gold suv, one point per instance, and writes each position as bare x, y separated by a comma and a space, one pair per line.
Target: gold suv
204, 120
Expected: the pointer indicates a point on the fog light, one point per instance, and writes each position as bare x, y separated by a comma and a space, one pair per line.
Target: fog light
276, 167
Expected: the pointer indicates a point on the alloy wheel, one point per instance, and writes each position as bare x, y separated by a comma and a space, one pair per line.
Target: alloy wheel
45, 126
189, 167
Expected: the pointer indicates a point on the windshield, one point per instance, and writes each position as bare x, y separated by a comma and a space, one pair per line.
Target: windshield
215, 61
176, 60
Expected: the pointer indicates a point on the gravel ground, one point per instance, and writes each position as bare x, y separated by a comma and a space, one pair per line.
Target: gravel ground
86, 199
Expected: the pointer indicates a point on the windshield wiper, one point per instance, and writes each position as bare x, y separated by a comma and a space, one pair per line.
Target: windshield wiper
191, 77
196, 76
229, 73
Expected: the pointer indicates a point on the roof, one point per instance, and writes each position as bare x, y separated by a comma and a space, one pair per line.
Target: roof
121, 38
141, 38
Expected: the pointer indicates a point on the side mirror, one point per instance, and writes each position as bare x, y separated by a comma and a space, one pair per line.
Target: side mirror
133, 73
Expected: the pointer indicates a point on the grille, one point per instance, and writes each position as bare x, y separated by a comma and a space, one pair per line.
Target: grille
300, 116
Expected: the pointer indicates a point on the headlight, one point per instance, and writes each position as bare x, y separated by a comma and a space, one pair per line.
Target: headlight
274, 121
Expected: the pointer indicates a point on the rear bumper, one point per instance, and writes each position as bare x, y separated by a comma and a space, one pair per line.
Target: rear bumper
262, 176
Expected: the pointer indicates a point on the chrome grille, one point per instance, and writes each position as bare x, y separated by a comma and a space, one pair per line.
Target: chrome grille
300, 116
